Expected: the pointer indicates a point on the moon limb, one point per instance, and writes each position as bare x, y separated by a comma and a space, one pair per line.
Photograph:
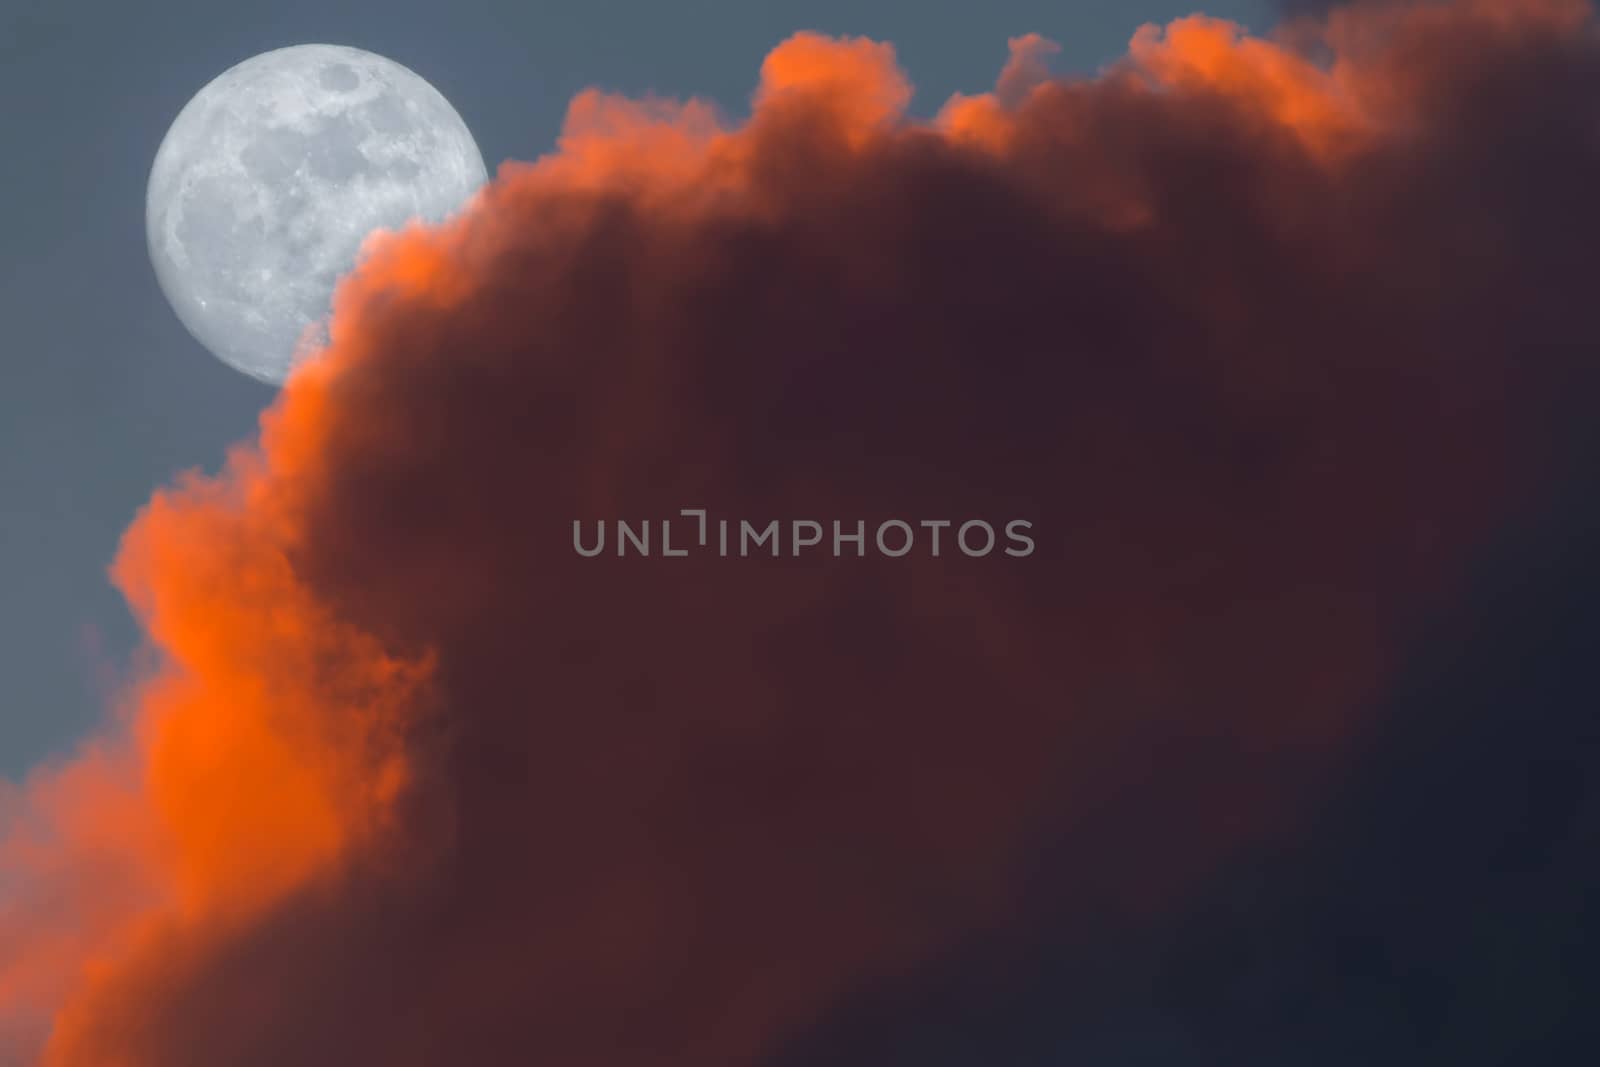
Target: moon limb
273, 175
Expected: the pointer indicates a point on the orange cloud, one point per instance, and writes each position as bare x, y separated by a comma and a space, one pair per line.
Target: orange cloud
412, 784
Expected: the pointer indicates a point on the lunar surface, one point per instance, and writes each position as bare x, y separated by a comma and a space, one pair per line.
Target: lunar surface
272, 177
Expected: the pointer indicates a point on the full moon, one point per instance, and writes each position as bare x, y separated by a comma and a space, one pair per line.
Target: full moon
272, 177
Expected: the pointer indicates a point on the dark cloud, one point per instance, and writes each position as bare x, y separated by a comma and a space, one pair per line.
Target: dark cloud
1430, 909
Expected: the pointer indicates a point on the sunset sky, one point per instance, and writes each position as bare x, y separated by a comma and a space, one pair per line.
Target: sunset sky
321, 746
119, 399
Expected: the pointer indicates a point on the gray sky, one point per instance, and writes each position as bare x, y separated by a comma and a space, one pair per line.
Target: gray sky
104, 396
